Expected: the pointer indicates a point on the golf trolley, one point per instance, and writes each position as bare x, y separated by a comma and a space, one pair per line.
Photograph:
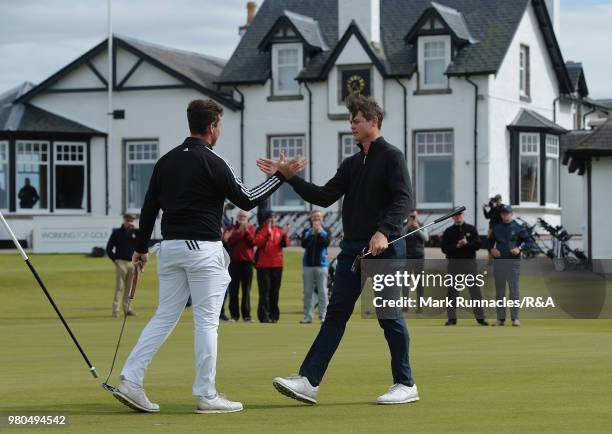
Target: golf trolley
563, 255
559, 250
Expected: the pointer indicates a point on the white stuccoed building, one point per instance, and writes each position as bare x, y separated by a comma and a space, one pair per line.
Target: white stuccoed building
55, 134
476, 94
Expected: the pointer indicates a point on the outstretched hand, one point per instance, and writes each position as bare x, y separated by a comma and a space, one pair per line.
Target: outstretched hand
289, 168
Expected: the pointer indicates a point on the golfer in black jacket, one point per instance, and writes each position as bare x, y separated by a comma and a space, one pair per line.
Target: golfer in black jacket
377, 197
190, 184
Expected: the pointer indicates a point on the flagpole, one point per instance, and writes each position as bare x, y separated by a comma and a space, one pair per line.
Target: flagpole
109, 129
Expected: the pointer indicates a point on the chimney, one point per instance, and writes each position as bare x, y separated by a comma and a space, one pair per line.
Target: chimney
554, 10
365, 12
251, 11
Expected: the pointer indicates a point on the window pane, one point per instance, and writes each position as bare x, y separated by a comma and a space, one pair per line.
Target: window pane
70, 187
348, 147
434, 71
32, 175
4, 176
434, 180
285, 195
552, 180
529, 178
138, 182
288, 56
434, 49
286, 78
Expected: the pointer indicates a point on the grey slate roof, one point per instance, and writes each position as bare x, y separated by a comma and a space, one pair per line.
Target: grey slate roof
456, 21
15, 116
593, 142
200, 68
194, 69
577, 78
574, 69
530, 119
492, 23
579, 147
308, 28
248, 64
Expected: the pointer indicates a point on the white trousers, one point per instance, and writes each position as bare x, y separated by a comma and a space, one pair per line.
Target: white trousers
186, 267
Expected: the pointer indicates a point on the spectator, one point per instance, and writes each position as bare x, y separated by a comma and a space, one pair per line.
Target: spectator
460, 243
28, 196
315, 241
241, 241
270, 241
492, 209
120, 248
415, 253
507, 240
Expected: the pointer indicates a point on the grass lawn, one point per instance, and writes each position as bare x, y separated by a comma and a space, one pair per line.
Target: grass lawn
546, 376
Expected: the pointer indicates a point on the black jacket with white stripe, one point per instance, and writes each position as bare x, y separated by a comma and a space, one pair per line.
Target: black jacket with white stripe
190, 184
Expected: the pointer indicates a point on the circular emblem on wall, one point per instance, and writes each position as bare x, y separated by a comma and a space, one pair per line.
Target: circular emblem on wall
355, 84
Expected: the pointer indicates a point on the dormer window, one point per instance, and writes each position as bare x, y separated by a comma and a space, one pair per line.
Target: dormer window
438, 34
287, 60
434, 57
434, 63
291, 38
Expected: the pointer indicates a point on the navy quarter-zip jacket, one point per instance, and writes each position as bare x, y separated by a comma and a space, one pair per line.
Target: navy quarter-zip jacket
376, 188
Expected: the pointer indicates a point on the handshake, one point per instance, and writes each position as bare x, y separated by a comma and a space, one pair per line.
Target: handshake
288, 168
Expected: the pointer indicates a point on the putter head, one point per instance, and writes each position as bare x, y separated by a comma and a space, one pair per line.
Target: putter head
109, 388
356, 265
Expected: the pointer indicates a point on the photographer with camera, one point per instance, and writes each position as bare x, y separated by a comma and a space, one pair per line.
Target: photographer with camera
491, 210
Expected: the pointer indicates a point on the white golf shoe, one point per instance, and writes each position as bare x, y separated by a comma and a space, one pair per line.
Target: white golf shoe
134, 396
399, 394
218, 404
297, 387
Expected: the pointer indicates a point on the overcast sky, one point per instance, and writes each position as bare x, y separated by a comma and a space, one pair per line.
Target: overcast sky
38, 37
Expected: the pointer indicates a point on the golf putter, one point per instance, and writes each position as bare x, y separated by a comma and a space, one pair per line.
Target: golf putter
92, 369
131, 295
365, 253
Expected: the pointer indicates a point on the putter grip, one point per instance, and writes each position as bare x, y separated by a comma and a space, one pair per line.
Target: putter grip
134, 282
454, 212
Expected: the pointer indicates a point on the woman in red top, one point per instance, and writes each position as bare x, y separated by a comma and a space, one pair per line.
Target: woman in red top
240, 240
270, 241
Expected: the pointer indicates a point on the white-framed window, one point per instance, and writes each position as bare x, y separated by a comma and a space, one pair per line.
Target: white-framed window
348, 146
285, 198
70, 176
434, 57
529, 179
552, 169
524, 72
287, 61
4, 175
32, 177
434, 167
141, 156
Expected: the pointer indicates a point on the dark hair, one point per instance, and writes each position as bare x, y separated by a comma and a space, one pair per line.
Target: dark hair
370, 109
128, 216
201, 113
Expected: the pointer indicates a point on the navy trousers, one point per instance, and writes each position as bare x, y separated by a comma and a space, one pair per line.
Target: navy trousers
345, 292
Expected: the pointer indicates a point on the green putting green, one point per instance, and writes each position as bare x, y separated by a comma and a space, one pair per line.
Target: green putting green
546, 376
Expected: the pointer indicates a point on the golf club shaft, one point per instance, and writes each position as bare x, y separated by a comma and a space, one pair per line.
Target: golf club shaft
454, 212
92, 369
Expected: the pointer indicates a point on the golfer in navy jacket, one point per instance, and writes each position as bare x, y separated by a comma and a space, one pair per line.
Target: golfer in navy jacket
377, 197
